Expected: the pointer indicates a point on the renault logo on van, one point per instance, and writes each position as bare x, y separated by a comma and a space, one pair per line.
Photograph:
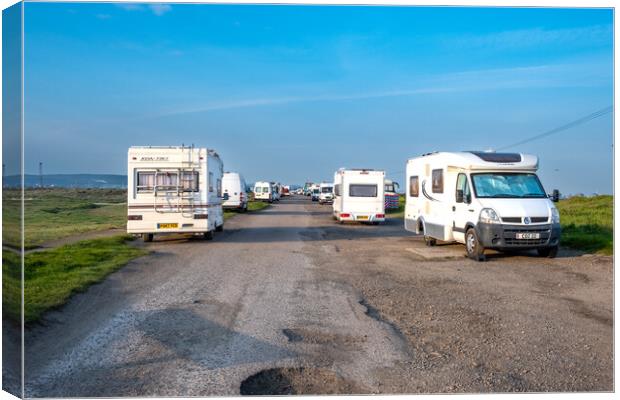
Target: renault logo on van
527, 220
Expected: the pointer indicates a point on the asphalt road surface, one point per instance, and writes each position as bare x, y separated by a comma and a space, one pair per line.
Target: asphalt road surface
287, 301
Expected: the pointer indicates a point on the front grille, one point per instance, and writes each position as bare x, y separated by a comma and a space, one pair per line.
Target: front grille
514, 220
538, 220
518, 220
526, 229
525, 242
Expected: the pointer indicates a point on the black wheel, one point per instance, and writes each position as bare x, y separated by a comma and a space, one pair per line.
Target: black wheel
549, 252
147, 237
429, 241
219, 228
208, 235
475, 251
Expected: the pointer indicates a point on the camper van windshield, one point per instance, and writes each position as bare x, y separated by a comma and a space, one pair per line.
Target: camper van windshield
326, 189
363, 190
507, 185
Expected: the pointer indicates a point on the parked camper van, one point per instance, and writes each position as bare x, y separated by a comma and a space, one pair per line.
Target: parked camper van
315, 192
263, 191
483, 200
392, 198
326, 194
358, 195
235, 196
174, 190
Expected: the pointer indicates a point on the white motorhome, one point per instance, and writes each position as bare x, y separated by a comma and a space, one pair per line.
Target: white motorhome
174, 190
234, 189
358, 195
483, 200
263, 191
326, 194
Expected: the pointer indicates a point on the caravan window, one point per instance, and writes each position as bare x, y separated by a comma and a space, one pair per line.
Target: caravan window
414, 187
337, 190
147, 180
363, 190
219, 188
189, 181
210, 182
438, 181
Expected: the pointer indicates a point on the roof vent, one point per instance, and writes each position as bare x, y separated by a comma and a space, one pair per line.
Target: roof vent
498, 157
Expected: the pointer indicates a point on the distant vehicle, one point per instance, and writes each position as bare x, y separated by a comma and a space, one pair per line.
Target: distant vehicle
308, 188
391, 197
483, 200
234, 188
263, 191
286, 191
275, 190
358, 195
315, 193
174, 190
326, 194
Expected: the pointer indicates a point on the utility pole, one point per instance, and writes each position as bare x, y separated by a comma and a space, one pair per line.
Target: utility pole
40, 174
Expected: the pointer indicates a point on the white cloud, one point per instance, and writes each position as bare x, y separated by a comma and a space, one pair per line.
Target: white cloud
129, 6
160, 9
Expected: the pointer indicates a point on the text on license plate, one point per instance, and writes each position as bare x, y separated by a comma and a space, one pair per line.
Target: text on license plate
364, 217
527, 235
167, 226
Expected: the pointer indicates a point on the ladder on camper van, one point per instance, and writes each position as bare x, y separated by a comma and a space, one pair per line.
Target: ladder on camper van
185, 199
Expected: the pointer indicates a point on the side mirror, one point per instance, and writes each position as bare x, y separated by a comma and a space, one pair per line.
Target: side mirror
555, 196
459, 196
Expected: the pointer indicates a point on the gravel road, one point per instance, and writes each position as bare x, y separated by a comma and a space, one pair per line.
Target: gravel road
286, 301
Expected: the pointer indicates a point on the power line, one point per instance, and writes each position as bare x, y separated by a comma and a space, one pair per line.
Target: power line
572, 124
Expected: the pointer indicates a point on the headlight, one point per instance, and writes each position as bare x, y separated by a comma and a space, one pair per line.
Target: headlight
555, 216
489, 216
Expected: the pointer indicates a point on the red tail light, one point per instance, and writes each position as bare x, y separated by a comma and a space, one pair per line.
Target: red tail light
345, 215
380, 215
134, 217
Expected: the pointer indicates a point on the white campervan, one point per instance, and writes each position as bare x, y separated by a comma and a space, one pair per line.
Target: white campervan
174, 190
358, 195
263, 191
483, 200
326, 194
234, 189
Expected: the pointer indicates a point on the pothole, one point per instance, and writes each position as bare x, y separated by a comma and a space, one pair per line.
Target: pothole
301, 380
316, 337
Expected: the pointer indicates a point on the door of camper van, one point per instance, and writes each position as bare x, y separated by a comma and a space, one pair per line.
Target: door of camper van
462, 208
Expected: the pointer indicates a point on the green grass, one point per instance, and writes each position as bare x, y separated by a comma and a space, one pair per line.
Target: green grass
587, 223
52, 276
56, 213
253, 205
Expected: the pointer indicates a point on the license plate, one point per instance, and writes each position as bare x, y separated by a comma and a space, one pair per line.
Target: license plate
527, 236
362, 217
167, 226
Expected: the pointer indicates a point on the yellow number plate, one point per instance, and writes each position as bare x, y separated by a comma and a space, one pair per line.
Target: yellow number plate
364, 217
167, 226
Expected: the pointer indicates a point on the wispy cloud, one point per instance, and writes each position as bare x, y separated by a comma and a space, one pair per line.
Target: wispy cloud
158, 9
515, 78
536, 37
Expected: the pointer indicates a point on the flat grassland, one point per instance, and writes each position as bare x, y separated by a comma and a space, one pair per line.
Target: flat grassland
587, 222
53, 275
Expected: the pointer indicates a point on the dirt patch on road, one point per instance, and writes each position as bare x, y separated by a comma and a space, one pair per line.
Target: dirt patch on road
301, 380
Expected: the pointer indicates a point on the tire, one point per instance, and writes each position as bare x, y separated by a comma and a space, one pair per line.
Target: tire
429, 241
207, 235
219, 228
549, 252
475, 251
147, 237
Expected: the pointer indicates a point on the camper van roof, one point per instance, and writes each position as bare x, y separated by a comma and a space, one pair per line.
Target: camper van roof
482, 160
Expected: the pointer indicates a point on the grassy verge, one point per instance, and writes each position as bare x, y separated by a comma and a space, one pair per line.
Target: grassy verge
56, 213
253, 205
52, 276
587, 223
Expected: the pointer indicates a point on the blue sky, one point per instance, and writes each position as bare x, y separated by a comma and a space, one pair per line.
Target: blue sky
292, 93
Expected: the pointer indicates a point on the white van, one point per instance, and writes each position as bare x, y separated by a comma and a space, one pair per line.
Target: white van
358, 195
263, 191
483, 200
174, 190
326, 194
234, 188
